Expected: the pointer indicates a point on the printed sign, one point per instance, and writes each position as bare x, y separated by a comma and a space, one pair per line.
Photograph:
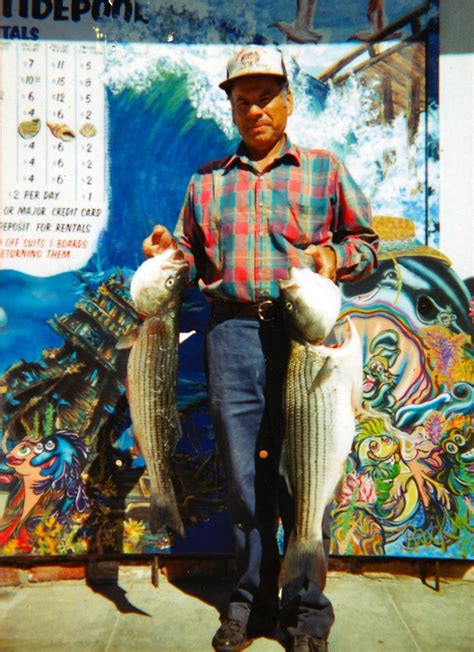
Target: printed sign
53, 203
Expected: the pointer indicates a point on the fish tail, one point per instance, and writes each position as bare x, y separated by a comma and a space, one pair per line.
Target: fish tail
304, 558
164, 514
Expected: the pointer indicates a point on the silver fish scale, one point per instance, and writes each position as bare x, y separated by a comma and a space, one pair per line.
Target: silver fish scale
308, 411
152, 369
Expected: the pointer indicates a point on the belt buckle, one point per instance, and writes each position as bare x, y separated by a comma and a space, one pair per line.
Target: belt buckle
261, 310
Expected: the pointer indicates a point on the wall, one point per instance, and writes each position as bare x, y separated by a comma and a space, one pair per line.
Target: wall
457, 134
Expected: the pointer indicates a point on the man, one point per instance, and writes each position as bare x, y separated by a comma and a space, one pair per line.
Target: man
245, 220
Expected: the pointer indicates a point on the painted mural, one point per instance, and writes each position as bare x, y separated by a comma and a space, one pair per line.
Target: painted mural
134, 94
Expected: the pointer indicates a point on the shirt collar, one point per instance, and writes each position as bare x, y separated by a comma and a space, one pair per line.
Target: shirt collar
288, 151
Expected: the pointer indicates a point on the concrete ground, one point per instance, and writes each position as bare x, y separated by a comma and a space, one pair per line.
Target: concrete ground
386, 614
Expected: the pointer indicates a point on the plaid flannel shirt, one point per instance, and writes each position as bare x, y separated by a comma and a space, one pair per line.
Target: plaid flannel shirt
242, 229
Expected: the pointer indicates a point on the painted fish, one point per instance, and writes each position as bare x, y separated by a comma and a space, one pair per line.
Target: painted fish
323, 385
157, 290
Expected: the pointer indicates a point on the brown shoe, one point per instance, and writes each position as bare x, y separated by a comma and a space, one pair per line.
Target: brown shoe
304, 643
231, 637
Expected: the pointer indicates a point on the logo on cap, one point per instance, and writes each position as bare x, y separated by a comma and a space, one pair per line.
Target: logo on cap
249, 58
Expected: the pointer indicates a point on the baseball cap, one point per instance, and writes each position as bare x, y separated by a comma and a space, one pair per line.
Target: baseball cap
254, 60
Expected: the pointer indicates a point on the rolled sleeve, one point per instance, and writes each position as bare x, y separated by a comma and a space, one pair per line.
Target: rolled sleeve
185, 230
354, 241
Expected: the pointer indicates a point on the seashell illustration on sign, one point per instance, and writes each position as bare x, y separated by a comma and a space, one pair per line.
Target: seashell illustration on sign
29, 128
61, 130
88, 130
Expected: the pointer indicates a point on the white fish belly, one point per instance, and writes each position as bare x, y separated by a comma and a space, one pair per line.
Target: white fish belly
320, 430
152, 368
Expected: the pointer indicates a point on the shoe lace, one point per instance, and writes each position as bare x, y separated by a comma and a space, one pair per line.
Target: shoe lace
300, 643
232, 625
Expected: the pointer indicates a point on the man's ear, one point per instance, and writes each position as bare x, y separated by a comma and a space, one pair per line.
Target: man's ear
289, 100
232, 110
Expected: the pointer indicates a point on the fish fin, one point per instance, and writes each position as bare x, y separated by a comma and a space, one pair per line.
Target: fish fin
322, 374
304, 558
185, 336
284, 466
178, 430
337, 493
128, 340
164, 514
358, 373
356, 397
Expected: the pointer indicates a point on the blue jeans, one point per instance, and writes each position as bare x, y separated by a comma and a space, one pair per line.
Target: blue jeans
246, 364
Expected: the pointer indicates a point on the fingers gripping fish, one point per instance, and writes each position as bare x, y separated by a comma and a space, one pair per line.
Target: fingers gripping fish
157, 290
323, 386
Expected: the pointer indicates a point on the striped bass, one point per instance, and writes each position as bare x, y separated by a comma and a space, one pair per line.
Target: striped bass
157, 290
322, 389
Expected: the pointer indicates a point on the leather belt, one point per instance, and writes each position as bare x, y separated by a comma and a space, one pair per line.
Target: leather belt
268, 310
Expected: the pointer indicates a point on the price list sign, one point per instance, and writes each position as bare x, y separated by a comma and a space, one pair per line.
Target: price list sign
52, 129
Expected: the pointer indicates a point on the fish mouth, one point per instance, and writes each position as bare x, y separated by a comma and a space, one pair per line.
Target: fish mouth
291, 282
388, 459
6, 478
177, 269
368, 384
177, 261
49, 463
468, 456
365, 298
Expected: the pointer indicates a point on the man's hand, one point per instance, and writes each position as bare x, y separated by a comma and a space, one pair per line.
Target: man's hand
324, 259
158, 241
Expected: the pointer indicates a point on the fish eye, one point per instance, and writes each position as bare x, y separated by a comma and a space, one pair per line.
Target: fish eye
288, 305
390, 275
169, 282
50, 446
461, 391
24, 450
426, 308
459, 440
451, 447
385, 439
38, 448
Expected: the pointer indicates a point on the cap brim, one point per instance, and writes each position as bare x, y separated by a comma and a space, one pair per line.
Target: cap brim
227, 83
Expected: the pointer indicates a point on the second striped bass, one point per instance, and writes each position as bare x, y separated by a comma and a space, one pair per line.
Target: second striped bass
322, 390
157, 290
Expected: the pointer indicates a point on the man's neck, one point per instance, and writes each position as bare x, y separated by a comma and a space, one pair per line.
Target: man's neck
262, 159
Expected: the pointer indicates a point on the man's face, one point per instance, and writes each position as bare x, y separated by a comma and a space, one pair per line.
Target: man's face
260, 110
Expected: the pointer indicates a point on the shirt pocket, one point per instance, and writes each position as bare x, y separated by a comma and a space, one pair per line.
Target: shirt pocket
298, 223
